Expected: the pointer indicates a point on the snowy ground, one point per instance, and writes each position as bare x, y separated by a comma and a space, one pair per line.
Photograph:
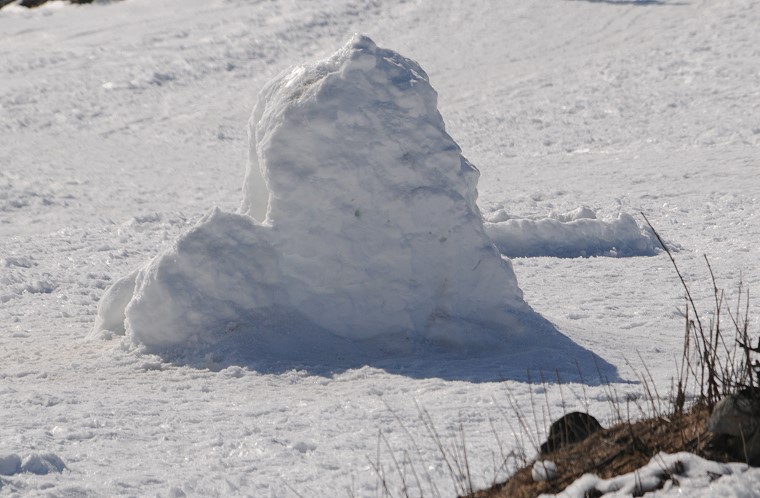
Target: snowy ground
121, 124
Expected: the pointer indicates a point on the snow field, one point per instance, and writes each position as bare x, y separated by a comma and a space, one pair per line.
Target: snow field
614, 106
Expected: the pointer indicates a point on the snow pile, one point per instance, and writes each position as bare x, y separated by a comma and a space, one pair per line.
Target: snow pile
359, 221
570, 235
678, 474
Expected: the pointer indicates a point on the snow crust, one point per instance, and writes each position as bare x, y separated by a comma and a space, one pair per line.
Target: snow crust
369, 228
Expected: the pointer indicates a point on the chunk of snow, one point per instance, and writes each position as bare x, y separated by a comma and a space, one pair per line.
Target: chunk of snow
42, 464
544, 470
573, 235
112, 304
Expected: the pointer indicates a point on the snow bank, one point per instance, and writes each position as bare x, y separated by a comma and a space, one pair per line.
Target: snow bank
570, 235
677, 474
368, 228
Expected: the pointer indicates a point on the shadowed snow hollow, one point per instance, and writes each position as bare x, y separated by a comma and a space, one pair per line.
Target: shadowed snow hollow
359, 222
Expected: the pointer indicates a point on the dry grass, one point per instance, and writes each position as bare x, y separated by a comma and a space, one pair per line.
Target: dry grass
611, 452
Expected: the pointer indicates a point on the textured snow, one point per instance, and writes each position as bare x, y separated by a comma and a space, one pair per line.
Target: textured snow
122, 124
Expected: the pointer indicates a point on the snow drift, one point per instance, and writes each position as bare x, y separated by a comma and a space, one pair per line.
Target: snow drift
358, 222
570, 235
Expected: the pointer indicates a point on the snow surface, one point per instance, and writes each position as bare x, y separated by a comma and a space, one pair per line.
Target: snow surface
122, 124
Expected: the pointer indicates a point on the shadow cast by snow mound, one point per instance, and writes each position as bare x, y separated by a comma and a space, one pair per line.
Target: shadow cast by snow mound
286, 344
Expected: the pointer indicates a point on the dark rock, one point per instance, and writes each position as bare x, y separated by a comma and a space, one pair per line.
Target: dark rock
32, 3
571, 428
735, 421
36, 3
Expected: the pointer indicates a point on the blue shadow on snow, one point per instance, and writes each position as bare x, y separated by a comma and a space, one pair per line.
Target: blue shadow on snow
539, 353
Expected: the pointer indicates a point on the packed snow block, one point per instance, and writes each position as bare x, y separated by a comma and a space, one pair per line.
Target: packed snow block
358, 220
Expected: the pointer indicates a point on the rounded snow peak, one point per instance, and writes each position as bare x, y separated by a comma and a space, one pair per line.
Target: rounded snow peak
364, 112
365, 55
362, 42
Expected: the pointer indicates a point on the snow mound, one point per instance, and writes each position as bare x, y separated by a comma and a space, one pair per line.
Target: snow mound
570, 235
359, 221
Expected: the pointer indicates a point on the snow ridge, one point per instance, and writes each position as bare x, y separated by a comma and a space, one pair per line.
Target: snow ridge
571, 235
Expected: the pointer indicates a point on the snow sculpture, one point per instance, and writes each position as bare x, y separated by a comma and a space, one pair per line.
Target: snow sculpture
359, 220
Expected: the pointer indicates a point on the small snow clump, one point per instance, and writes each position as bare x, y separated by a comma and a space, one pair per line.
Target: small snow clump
544, 470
